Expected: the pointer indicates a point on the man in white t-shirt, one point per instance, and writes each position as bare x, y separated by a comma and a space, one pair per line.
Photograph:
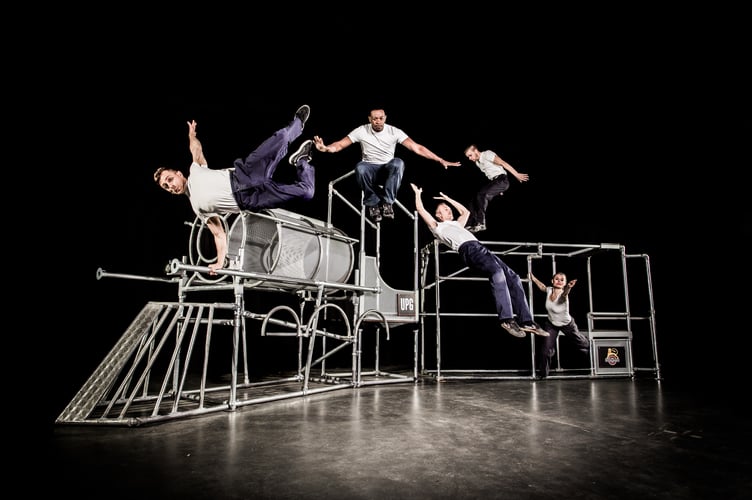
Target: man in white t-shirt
506, 285
495, 169
248, 185
378, 165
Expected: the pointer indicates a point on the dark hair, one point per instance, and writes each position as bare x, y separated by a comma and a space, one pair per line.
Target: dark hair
158, 173
449, 205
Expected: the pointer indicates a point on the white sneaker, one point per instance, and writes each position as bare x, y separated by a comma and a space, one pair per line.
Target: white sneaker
304, 151
513, 328
535, 328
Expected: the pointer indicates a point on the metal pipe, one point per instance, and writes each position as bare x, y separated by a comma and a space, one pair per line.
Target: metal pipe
177, 266
101, 273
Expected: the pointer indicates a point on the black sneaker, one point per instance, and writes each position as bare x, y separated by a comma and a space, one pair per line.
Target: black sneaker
303, 113
374, 213
512, 327
476, 228
387, 211
304, 151
535, 328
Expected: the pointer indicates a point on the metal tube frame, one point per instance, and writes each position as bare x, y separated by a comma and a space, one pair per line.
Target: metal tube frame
535, 250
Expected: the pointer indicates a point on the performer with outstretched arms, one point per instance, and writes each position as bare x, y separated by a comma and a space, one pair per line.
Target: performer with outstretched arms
248, 185
378, 165
506, 285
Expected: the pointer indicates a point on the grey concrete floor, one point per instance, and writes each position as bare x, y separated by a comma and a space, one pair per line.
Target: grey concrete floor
552, 439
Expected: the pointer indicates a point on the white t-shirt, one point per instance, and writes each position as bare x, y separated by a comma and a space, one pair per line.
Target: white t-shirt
452, 234
558, 313
486, 165
377, 147
210, 192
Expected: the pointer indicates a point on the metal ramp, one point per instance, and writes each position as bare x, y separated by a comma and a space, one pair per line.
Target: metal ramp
159, 369
145, 377
94, 391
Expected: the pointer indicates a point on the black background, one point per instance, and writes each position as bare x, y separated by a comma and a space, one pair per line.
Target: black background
628, 127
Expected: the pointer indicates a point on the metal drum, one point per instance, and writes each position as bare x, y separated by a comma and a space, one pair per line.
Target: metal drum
285, 244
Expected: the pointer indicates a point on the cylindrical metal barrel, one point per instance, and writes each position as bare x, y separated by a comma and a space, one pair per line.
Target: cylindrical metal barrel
282, 243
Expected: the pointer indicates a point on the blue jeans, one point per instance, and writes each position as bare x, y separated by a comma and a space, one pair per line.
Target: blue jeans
506, 284
371, 176
252, 183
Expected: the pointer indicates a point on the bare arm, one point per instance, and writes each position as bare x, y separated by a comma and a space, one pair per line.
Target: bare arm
197, 152
537, 282
334, 147
509, 168
427, 153
463, 212
220, 240
427, 218
565, 290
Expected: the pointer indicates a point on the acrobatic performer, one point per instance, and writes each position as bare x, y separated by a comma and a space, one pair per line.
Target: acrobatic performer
246, 186
506, 284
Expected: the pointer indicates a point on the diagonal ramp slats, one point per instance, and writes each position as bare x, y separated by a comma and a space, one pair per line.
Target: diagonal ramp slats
101, 380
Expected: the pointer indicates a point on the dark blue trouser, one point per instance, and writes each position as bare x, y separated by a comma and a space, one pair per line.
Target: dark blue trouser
547, 345
479, 204
371, 176
252, 182
506, 284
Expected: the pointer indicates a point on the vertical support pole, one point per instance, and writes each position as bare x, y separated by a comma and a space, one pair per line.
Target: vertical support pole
627, 307
652, 318
415, 354
237, 325
532, 310
356, 362
377, 350
438, 309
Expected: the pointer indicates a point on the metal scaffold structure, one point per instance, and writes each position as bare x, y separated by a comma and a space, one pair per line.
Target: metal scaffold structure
618, 307
321, 296
322, 303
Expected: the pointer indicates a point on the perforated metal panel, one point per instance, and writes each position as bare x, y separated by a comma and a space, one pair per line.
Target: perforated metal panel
282, 243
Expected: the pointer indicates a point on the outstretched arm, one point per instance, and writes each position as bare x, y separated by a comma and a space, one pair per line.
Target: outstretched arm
464, 213
538, 283
427, 218
220, 241
197, 152
565, 290
334, 147
509, 168
427, 153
